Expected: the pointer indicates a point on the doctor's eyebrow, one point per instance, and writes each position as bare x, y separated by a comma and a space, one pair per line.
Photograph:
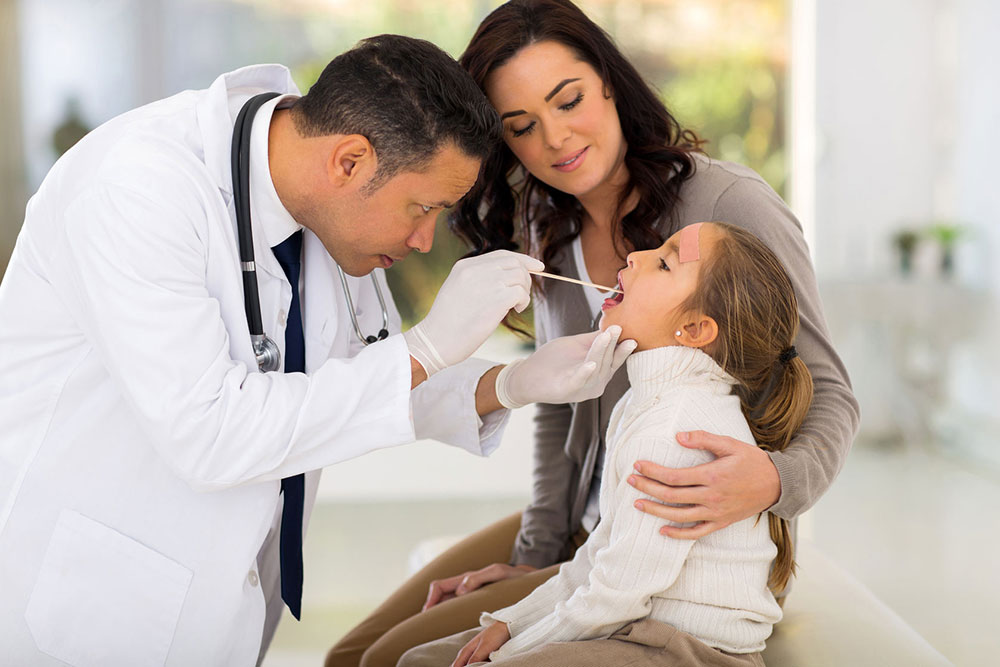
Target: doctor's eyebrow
559, 86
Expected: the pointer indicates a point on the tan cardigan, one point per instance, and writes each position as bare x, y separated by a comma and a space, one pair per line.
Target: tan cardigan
569, 438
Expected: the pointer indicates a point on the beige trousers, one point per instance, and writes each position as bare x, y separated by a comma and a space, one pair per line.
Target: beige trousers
398, 624
644, 643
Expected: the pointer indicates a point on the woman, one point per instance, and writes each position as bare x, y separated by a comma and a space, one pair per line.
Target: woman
594, 167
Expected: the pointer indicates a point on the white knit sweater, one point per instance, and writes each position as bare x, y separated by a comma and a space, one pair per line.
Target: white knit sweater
714, 588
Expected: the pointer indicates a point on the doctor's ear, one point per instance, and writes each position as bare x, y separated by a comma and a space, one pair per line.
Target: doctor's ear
700, 331
351, 160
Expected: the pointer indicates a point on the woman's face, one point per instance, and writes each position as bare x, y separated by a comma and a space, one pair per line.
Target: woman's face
656, 283
557, 120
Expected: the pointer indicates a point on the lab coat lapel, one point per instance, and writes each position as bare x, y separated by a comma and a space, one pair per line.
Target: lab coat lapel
319, 303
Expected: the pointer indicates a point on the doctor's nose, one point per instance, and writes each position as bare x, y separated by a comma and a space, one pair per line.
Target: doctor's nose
422, 238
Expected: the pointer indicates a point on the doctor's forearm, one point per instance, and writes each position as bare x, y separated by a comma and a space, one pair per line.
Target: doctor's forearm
486, 392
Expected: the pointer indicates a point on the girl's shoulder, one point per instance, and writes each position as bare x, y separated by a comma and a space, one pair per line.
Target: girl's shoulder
685, 410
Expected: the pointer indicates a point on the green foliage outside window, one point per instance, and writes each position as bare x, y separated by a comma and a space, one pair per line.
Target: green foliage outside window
720, 66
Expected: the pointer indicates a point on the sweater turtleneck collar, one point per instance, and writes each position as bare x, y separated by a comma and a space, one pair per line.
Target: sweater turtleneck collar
651, 372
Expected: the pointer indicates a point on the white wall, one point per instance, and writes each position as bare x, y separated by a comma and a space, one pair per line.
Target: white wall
976, 132
907, 132
906, 118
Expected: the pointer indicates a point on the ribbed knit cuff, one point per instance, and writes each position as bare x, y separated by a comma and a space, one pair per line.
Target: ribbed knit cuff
789, 503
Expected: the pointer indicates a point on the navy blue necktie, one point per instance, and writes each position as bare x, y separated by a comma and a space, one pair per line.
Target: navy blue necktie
289, 254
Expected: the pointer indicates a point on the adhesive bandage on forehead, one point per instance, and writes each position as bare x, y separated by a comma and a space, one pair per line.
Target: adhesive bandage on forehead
688, 250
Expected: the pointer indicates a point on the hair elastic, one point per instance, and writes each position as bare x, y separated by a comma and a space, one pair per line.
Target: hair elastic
788, 354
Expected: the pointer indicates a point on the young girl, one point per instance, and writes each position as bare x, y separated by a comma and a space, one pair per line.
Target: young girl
714, 315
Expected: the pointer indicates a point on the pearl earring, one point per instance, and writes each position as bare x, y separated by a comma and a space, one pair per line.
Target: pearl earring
677, 333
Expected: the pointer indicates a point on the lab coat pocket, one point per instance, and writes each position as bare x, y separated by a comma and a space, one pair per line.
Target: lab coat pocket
101, 598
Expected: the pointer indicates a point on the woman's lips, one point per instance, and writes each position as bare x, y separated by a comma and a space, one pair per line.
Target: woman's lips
572, 161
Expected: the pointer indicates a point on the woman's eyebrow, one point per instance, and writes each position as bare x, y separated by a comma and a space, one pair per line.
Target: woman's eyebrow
559, 86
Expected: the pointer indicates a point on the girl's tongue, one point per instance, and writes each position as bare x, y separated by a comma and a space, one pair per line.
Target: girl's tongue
614, 299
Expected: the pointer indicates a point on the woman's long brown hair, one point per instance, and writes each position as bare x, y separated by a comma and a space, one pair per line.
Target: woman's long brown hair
745, 289
497, 215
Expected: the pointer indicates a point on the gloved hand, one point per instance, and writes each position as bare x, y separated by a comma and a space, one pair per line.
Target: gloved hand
474, 299
564, 370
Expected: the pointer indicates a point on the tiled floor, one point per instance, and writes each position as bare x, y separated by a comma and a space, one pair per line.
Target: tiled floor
920, 530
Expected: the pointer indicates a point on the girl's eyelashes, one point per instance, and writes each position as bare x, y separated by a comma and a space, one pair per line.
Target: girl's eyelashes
663, 264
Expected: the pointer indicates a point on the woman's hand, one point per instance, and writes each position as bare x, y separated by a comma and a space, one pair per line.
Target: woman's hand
445, 589
479, 647
741, 482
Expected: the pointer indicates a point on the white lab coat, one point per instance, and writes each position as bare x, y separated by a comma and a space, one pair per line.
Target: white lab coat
141, 451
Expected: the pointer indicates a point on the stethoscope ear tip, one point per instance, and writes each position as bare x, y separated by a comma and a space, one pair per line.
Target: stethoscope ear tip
382, 335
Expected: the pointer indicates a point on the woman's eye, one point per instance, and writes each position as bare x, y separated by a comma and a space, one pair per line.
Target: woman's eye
524, 130
576, 100
663, 265
426, 209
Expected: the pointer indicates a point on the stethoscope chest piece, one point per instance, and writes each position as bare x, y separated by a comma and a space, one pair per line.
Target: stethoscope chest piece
267, 353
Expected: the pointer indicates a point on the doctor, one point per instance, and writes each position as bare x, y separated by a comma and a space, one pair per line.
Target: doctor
152, 499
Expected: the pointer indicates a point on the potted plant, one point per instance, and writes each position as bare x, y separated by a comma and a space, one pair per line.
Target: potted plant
946, 234
906, 241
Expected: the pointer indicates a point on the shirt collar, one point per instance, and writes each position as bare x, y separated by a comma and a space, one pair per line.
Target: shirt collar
270, 217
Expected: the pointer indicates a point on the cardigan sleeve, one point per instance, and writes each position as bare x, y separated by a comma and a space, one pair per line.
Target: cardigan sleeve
816, 455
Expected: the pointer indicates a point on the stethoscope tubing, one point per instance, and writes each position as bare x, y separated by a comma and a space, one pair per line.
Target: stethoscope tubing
241, 202
265, 349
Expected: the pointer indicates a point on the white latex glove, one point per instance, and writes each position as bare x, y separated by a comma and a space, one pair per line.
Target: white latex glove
564, 370
474, 299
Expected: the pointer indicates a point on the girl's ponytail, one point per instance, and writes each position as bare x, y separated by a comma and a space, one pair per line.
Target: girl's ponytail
746, 290
781, 413
780, 416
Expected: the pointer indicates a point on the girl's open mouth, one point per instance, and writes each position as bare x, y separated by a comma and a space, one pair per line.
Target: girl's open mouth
615, 299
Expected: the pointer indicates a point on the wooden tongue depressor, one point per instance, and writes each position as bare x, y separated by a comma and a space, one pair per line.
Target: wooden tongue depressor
578, 282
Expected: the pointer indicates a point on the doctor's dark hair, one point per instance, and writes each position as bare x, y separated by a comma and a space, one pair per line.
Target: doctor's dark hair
407, 97
503, 209
744, 287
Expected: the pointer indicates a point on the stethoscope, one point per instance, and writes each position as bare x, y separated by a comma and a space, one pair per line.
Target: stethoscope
264, 348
